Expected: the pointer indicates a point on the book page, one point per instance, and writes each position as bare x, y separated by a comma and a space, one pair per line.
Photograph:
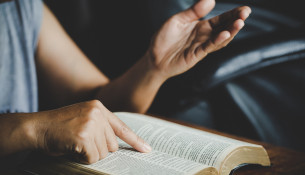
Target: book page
128, 161
180, 141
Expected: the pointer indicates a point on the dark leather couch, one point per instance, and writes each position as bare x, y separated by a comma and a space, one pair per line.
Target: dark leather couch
253, 88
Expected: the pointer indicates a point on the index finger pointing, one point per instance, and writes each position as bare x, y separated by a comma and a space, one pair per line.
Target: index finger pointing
126, 134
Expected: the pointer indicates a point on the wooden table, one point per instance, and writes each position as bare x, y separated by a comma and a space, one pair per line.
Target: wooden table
283, 160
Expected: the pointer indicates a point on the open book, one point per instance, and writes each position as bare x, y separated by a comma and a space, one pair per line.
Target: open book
176, 150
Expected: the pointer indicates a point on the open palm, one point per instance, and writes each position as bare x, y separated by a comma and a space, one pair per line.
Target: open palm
184, 40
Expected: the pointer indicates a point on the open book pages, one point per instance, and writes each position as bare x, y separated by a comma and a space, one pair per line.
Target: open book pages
178, 150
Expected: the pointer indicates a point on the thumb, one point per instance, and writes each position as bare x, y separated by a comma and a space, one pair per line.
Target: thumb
197, 11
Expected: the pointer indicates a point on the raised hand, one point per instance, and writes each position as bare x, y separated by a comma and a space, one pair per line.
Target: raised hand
184, 40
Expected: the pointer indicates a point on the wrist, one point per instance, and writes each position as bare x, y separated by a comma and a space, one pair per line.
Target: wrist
33, 131
152, 69
18, 133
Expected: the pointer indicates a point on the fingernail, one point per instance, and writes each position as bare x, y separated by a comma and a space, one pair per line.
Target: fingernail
147, 148
77, 149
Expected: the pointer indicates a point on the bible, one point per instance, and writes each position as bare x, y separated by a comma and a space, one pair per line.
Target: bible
176, 150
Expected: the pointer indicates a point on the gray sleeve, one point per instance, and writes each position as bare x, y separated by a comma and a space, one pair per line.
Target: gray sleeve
20, 22
32, 14
37, 16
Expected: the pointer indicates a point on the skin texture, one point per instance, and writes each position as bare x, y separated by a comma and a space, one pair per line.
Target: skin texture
88, 129
85, 130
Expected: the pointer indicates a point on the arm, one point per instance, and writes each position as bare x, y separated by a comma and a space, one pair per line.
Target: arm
180, 43
15, 133
86, 130
69, 76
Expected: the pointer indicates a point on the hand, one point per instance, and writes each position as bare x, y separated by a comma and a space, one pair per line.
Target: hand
87, 130
184, 40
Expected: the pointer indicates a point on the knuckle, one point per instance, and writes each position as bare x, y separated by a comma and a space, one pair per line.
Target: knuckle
82, 137
113, 146
83, 134
95, 103
93, 111
124, 130
86, 128
96, 109
92, 116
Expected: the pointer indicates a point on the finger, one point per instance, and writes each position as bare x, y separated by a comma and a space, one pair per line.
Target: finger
101, 146
225, 19
197, 11
99, 142
244, 14
89, 153
201, 50
236, 26
224, 37
220, 41
111, 140
204, 31
221, 37
122, 131
234, 29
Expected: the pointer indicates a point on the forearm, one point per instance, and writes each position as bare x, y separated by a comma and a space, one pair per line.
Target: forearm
133, 91
85, 130
16, 133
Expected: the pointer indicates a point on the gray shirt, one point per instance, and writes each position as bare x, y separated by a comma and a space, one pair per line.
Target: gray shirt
20, 22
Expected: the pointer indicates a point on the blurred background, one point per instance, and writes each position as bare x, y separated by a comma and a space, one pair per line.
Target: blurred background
252, 88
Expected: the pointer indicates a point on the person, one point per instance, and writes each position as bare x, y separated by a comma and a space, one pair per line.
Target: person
33, 43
